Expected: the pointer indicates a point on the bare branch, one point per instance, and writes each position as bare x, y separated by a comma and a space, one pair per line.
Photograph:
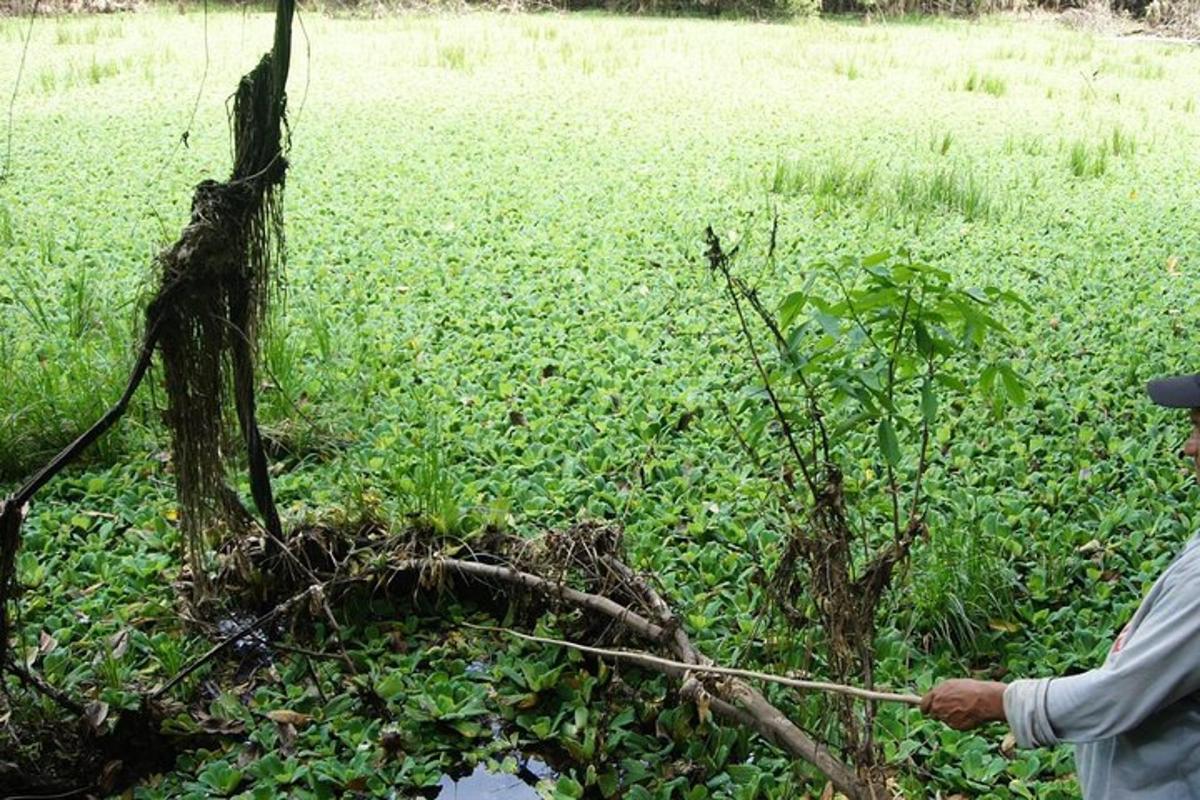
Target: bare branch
720, 262
678, 668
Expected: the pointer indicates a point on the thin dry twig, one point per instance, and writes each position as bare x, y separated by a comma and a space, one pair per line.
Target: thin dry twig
676, 667
237, 635
57, 695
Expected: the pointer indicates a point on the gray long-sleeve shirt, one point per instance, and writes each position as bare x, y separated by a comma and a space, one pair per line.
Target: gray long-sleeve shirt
1136, 719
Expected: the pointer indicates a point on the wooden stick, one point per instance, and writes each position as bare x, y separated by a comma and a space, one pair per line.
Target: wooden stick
677, 667
57, 695
509, 574
740, 702
744, 705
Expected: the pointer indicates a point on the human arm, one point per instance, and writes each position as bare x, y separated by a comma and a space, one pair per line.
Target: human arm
964, 704
1157, 665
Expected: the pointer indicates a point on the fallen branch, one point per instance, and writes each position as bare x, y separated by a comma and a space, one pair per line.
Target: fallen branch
755, 711
57, 695
595, 602
735, 700
677, 667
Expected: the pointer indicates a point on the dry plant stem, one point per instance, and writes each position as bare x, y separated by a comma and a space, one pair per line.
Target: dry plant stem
810, 393
683, 646
758, 714
57, 695
673, 667
603, 605
719, 262
237, 635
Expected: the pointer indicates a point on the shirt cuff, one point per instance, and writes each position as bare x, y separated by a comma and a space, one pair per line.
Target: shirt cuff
1025, 710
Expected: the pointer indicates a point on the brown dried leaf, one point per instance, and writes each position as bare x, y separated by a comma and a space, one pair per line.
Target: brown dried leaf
220, 727
287, 738
95, 713
108, 775
46, 643
703, 710
118, 643
286, 717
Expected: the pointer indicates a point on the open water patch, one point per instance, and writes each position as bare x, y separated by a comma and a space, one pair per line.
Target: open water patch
485, 784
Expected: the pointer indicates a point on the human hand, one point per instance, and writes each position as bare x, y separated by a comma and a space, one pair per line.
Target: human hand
964, 704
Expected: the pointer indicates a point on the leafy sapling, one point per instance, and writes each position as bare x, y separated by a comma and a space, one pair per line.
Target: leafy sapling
851, 372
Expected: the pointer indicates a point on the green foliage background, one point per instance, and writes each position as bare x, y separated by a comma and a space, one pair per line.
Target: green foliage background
499, 312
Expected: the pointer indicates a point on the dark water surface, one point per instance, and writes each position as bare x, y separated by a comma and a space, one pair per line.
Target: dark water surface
484, 785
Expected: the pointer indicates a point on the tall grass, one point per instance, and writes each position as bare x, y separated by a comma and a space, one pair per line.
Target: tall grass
848, 68
837, 181
985, 83
453, 57
947, 188
910, 192
1090, 159
1086, 160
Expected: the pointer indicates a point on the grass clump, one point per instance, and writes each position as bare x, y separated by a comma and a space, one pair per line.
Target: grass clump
985, 83
453, 57
831, 183
1087, 159
941, 144
947, 188
847, 68
1122, 143
912, 192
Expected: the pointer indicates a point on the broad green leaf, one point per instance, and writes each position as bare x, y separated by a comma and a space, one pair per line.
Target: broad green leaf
829, 323
790, 308
391, 685
1013, 386
929, 404
987, 379
876, 258
889, 445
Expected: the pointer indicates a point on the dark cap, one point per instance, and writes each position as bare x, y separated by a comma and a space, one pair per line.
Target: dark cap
1178, 391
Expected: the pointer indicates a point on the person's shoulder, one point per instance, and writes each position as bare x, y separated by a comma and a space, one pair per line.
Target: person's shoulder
1187, 564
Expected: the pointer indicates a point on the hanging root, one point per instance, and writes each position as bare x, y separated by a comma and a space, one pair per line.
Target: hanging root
213, 300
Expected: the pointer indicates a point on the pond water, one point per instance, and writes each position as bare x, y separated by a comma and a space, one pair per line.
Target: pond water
484, 785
